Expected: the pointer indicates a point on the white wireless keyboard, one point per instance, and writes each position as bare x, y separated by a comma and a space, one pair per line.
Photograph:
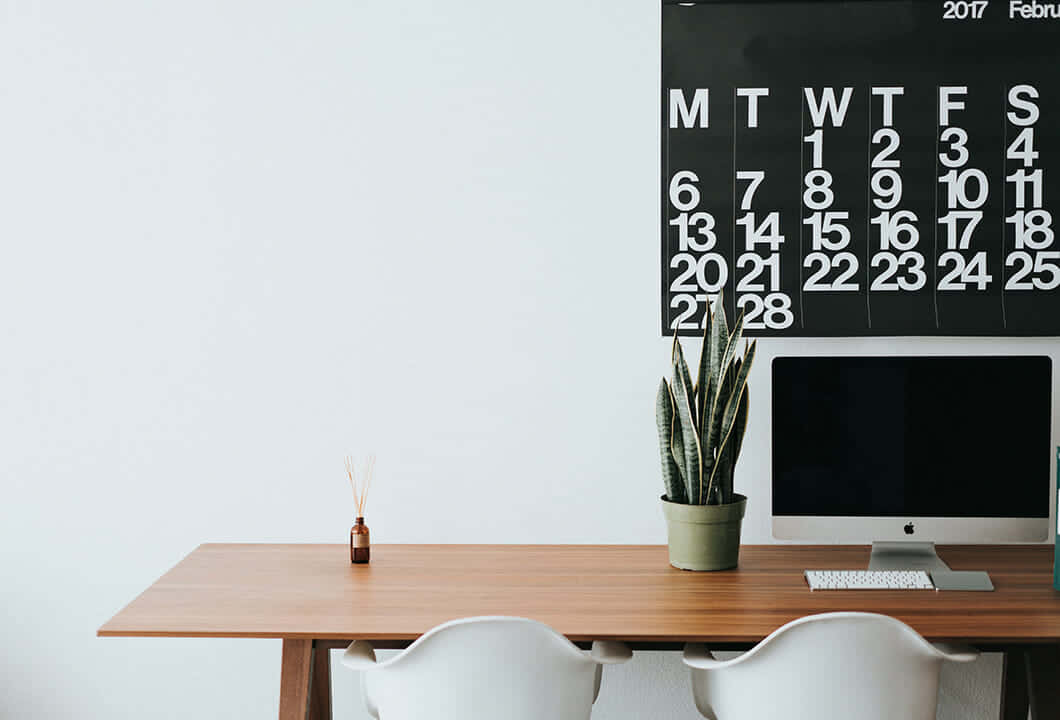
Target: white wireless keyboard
869, 580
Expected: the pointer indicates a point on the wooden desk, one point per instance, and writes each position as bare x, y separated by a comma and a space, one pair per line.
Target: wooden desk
312, 598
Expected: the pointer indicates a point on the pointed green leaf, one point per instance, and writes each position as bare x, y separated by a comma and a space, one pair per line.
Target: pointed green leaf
677, 442
732, 347
734, 371
741, 415
711, 421
720, 392
740, 428
722, 476
684, 377
702, 375
689, 438
664, 419
728, 418
719, 335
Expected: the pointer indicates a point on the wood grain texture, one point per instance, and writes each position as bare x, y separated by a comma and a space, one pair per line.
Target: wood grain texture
320, 684
586, 592
296, 672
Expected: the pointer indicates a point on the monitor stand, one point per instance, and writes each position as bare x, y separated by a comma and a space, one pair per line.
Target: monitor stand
921, 556
906, 556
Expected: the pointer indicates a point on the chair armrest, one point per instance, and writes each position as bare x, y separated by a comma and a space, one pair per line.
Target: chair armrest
956, 653
360, 655
698, 656
610, 652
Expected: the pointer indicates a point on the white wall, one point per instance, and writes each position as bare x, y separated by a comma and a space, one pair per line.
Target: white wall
243, 238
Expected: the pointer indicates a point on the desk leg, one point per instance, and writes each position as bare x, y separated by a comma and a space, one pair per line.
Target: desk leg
1031, 679
1014, 688
305, 681
320, 684
1043, 669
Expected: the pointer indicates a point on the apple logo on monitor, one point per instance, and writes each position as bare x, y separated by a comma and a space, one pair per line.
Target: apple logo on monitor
908, 528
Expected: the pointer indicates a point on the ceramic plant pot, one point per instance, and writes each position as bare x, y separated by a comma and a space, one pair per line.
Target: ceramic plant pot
704, 537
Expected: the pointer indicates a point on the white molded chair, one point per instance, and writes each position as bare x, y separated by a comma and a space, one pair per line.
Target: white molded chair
485, 668
835, 666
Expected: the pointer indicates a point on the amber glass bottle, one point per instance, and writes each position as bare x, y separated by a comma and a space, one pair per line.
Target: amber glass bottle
359, 547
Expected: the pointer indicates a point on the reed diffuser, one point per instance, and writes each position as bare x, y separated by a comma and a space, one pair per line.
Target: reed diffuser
360, 549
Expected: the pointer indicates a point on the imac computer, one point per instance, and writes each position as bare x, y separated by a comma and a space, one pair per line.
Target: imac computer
905, 452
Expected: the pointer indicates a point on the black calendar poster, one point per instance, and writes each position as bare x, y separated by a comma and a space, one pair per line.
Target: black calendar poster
871, 167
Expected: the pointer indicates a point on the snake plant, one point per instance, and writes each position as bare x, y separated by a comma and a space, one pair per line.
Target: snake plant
702, 423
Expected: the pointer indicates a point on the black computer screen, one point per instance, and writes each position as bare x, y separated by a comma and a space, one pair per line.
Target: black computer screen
911, 436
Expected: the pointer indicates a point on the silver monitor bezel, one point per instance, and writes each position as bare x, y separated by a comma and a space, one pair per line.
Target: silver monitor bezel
863, 530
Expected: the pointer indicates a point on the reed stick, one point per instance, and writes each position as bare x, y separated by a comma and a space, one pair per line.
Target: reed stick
360, 491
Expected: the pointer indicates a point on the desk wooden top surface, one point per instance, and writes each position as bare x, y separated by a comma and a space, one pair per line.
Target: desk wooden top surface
586, 592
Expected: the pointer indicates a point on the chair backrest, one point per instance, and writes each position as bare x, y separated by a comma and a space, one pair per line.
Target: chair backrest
485, 668
835, 666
